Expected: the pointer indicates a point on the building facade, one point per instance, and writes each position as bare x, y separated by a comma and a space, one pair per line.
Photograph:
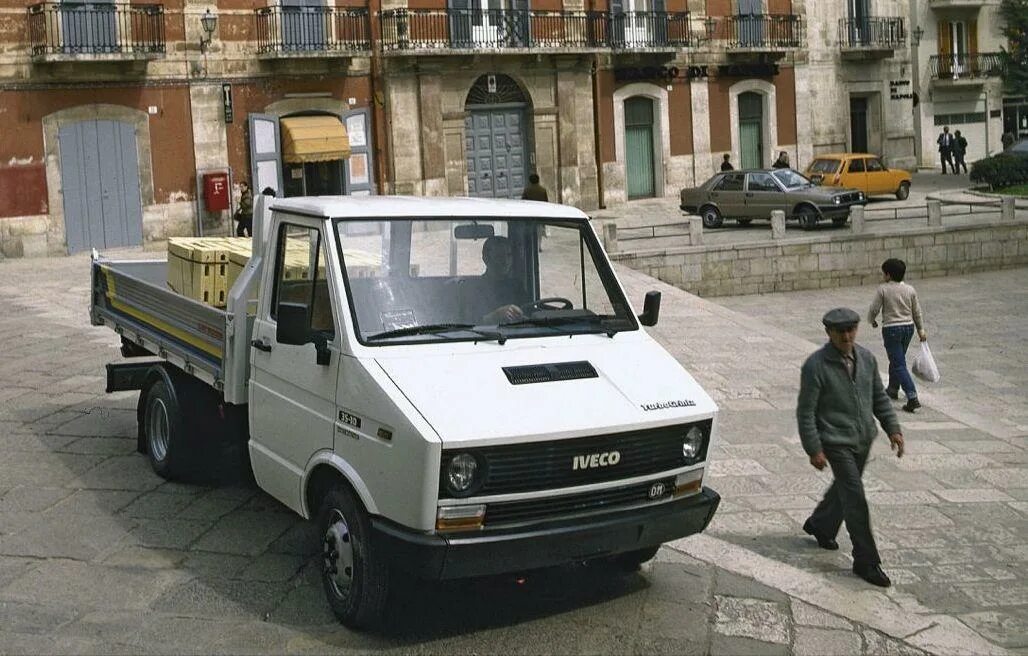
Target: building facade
117, 118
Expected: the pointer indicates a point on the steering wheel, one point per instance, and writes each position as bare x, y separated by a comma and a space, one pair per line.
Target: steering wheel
548, 303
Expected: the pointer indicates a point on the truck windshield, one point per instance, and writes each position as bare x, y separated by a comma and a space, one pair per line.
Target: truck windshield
429, 280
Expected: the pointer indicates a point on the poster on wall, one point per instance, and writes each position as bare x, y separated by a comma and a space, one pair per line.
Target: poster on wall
359, 168
355, 130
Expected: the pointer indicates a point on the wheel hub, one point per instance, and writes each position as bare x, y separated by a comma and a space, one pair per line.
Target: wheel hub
337, 554
158, 429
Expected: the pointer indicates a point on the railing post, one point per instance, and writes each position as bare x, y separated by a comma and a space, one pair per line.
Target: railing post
934, 213
610, 237
857, 219
1006, 208
777, 224
695, 230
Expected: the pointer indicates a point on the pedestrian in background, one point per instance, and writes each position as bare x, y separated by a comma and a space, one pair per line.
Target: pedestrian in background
945, 142
244, 213
901, 314
840, 397
726, 164
782, 162
959, 151
534, 190
1007, 139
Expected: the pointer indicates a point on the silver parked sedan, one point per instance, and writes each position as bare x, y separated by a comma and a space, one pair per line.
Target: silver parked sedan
754, 194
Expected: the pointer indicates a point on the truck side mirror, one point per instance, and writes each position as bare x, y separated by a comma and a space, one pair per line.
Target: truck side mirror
651, 309
294, 324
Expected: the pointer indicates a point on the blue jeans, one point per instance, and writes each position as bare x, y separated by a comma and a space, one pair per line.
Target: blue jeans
897, 339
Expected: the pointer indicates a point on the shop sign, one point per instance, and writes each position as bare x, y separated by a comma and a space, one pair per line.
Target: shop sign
900, 90
659, 73
226, 101
756, 69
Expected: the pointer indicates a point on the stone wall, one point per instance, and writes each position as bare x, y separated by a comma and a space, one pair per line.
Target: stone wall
834, 260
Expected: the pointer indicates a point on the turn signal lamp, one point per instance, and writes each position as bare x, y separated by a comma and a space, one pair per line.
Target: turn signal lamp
460, 518
688, 483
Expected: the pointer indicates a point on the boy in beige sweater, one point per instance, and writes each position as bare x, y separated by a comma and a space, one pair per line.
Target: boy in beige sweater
901, 313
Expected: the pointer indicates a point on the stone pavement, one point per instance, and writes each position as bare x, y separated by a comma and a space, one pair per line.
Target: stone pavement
99, 555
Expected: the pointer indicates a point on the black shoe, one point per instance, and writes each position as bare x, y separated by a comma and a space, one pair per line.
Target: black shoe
873, 574
892, 394
822, 541
912, 405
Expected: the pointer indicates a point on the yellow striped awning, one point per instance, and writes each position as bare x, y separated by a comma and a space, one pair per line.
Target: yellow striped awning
313, 139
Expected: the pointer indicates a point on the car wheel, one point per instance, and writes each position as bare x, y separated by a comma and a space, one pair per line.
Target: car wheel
355, 578
744, 222
840, 220
807, 216
711, 217
903, 192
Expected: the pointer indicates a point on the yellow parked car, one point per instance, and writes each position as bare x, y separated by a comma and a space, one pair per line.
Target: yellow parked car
859, 171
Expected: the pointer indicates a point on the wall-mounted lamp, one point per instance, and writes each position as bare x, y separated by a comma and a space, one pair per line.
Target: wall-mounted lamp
208, 22
709, 25
916, 35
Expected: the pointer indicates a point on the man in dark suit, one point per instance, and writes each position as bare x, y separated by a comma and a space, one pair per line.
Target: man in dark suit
840, 397
945, 142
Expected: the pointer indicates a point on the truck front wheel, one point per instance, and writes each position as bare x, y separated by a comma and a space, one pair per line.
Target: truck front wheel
356, 580
163, 431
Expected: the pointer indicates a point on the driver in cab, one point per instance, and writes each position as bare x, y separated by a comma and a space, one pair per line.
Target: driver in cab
498, 286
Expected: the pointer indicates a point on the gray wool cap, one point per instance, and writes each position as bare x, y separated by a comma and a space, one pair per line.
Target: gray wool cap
840, 318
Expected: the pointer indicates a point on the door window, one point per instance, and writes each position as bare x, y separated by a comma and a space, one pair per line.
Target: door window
874, 165
856, 166
762, 182
731, 182
824, 166
300, 276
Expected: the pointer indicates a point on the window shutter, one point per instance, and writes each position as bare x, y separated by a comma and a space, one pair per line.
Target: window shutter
945, 38
972, 38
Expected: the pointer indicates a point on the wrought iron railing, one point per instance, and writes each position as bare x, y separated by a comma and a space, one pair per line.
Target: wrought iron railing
298, 30
872, 33
469, 29
759, 31
965, 66
96, 29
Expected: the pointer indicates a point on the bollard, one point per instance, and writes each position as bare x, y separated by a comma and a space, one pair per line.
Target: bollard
934, 213
857, 219
695, 230
1006, 208
777, 224
610, 237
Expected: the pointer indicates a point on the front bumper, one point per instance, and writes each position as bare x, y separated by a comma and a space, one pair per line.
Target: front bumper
459, 555
835, 211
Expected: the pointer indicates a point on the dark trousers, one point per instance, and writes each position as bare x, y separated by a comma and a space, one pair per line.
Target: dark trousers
845, 501
958, 161
946, 155
896, 340
244, 227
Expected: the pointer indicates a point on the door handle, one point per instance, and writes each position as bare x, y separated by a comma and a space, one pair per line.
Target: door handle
261, 345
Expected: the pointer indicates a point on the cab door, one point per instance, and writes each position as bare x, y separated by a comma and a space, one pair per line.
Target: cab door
855, 175
293, 395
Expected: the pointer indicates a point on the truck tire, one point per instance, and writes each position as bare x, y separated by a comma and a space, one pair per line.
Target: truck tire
164, 435
631, 560
356, 579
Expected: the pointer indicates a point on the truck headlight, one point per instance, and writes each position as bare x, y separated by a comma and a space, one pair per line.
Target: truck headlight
461, 472
692, 445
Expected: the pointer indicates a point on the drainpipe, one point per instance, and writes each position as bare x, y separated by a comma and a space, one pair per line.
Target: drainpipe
597, 133
382, 151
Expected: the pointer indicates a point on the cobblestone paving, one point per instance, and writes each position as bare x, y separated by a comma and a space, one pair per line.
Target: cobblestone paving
952, 516
99, 555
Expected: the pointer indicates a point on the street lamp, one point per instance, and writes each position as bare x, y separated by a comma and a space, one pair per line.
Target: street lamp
916, 35
709, 25
208, 22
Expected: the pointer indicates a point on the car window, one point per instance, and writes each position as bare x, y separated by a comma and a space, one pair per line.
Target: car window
731, 182
874, 164
824, 166
856, 166
761, 182
791, 179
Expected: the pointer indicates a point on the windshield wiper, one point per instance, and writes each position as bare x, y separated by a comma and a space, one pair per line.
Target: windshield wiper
422, 330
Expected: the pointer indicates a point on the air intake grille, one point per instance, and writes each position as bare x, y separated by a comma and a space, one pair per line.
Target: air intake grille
548, 373
554, 507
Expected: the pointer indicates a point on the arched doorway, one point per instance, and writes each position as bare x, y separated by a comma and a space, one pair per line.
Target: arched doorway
751, 130
639, 147
495, 137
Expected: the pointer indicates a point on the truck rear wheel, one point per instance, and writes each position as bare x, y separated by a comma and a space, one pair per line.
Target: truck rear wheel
163, 432
356, 579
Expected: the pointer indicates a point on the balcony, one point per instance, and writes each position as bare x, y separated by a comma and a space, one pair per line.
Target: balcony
961, 4
96, 32
870, 37
965, 70
464, 31
758, 34
312, 32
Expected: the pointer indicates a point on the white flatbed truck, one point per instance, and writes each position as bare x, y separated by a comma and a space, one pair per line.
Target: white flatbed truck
446, 391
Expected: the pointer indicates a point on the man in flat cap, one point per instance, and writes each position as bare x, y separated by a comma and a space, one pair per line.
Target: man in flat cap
840, 396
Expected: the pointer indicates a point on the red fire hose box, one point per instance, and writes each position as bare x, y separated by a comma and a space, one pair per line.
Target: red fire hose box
215, 192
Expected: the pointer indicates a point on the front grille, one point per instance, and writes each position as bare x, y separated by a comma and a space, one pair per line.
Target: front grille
548, 373
513, 512
848, 198
551, 465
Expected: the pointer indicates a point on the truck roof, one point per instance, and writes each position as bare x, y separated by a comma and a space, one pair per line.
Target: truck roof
364, 207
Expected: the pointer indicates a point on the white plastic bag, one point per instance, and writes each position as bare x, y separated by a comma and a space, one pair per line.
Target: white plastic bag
924, 365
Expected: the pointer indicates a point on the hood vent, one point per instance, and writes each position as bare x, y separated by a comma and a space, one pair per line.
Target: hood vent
548, 373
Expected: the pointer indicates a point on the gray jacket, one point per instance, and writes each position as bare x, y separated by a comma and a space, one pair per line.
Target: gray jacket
833, 410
